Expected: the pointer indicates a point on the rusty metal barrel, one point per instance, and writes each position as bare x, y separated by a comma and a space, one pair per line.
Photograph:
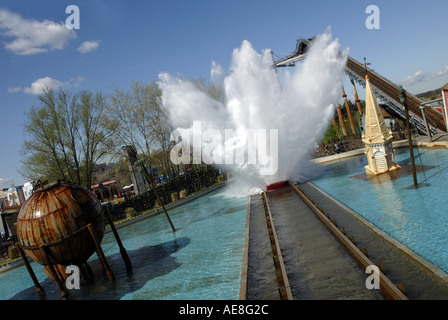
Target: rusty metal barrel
56, 216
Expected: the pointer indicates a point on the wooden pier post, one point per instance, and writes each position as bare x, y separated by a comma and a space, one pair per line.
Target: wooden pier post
341, 120
358, 102
39, 289
100, 253
349, 113
123, 251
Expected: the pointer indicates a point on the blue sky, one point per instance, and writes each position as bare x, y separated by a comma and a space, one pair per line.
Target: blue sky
123, 41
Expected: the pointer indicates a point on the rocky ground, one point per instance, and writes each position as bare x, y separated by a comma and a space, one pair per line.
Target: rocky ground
347, 143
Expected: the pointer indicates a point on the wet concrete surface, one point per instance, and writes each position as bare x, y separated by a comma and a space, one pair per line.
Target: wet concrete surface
261, 278
318, 265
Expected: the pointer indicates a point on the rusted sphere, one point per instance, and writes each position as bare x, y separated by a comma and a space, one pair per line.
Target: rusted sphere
57, 215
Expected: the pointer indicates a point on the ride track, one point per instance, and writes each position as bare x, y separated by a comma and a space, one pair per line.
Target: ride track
389, 289
285, 289
384, 89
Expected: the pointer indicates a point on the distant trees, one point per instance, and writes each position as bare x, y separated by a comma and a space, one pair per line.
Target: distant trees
138, 120
119, 171
67, 134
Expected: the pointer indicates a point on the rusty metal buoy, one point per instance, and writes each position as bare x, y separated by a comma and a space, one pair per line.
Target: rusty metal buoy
56, 216
62, 224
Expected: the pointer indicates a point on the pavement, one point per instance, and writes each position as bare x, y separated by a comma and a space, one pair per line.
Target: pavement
437, 141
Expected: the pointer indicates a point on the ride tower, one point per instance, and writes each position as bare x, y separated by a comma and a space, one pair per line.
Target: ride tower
377, 137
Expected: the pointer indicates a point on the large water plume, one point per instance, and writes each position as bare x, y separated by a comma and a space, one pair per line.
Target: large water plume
298, 102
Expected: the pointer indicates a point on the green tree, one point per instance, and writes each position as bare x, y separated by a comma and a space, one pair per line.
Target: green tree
48, 148
331, 135
139, 121
95, 136
64, 137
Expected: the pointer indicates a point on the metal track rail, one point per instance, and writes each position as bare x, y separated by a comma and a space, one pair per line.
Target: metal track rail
389, 93
384, 89
244, 265
280, 270
360, 255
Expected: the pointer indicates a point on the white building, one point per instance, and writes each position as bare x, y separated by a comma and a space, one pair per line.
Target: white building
27, 190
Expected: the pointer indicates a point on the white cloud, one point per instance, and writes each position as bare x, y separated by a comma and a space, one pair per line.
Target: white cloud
216, 73
74, 82
88, 46
417, 77
421, 76
39, 86
14, 89
4, 183
441, 73
32, 36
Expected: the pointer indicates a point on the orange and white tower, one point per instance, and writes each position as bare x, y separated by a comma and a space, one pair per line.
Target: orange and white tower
377, 137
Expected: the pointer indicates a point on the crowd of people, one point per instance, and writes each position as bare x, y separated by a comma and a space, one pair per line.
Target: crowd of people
342, 144
338, 147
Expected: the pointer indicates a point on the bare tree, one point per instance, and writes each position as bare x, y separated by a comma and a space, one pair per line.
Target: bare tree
95, 134
47, 129
139, 121
64, 137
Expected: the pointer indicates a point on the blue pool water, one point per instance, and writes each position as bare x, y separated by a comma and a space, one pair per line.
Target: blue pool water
417, 218
202, 260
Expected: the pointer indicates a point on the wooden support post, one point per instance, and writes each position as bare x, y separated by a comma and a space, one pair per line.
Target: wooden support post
123, 251
157, 195
39, 289
341, 120
100, 253
408, 129
86, 271
358, 102
411, 151
60, 283
349, 113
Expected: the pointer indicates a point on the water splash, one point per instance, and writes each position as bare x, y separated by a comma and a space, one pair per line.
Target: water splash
298, 102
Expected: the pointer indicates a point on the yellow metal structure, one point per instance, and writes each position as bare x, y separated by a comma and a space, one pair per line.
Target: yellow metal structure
377, 137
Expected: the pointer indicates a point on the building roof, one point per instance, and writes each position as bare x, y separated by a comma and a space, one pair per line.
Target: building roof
104, 183
12, 189
375, 130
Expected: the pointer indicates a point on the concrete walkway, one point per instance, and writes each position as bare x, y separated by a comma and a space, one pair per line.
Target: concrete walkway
438, 141
317, 264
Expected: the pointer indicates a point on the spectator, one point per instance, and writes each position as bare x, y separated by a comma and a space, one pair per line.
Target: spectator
336, 147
